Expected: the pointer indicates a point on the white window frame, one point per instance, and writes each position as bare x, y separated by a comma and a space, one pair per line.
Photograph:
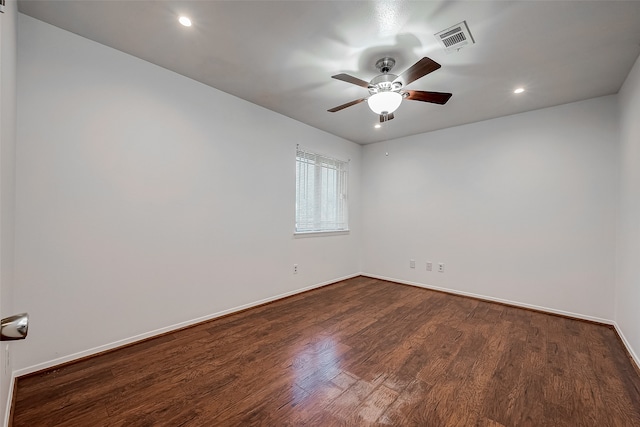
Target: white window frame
322, 184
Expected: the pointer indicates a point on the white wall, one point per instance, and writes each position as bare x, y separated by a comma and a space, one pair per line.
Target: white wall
8, 32
520, 208
146, 199
628, 274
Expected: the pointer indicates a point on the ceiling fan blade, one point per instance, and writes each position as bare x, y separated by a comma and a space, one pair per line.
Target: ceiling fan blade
417, 70
350, 79
433, 97
348, 104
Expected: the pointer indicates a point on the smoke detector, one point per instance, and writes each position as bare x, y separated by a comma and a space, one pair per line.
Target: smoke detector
455, 38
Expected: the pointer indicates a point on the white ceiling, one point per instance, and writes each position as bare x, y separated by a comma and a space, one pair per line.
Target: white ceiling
281, 54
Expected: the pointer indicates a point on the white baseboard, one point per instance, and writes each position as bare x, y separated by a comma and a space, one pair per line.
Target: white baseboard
10, 397
627, 344
140, 337
493, 299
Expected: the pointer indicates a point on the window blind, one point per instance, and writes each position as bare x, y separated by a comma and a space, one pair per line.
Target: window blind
321, 193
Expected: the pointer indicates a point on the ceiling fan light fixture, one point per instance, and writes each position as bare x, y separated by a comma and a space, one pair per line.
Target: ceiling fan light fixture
386, 90
384, 102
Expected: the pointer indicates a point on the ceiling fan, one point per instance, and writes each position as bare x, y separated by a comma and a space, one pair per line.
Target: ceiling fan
386, 91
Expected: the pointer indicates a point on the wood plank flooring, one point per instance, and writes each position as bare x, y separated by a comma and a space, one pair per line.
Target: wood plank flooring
358, 352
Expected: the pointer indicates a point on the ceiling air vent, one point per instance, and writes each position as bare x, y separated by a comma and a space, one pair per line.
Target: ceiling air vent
456, 37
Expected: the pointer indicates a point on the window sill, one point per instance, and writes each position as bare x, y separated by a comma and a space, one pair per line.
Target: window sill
298, 235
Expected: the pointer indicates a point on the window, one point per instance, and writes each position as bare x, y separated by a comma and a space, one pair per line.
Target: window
321, 193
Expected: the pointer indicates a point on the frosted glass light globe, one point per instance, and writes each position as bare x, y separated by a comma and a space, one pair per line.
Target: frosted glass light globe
384, 102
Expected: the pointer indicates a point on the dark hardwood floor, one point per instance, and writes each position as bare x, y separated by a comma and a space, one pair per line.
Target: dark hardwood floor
359, 352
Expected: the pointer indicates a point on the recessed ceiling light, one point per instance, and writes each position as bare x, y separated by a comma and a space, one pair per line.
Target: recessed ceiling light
377, 126
185, 21
519, 90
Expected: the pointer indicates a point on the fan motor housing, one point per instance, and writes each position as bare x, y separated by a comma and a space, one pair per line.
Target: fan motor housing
385, 64
384, 83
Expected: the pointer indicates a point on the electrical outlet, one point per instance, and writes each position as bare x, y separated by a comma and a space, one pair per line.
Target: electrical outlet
412, 263
295, 268
429, 266
441, 267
